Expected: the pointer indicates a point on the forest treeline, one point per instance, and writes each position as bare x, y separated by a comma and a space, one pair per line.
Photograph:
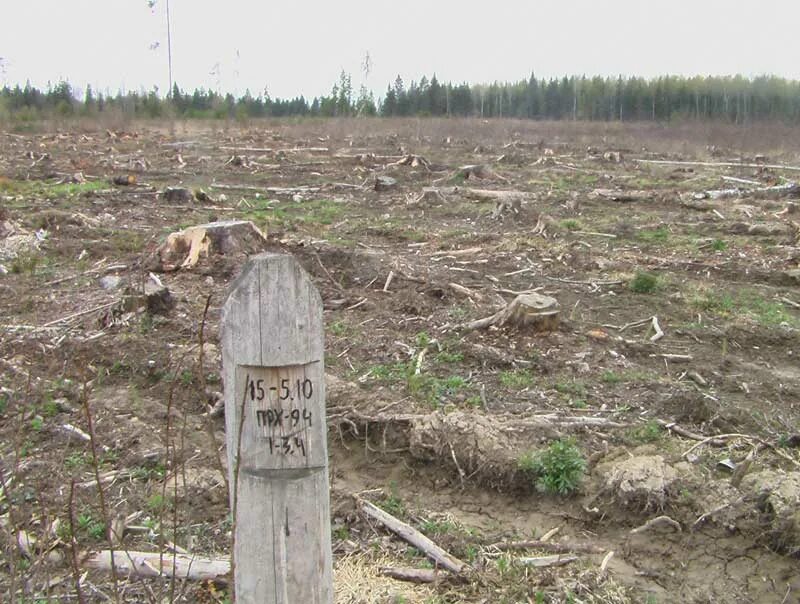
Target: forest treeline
733, 99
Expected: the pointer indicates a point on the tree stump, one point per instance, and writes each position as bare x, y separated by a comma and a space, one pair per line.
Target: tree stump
183, 249
175, 195
531, 310
528, 311
385, 183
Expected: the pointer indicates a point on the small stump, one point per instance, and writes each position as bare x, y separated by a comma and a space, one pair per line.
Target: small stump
536, 311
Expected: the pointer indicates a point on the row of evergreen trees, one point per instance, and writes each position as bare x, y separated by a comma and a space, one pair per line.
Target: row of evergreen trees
734, 99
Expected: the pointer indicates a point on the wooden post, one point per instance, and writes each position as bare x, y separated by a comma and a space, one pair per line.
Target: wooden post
273, 365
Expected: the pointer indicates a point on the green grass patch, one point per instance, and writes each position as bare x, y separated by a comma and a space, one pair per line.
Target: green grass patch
87, 524
73, 189
611, 377
424, 387
25, 263
647, 433
40, 188
517, 379
339, 328
290, 215
744, 304
432, 389
570, 224
392, 503
440, 527
449, 357
659, 235
573, 388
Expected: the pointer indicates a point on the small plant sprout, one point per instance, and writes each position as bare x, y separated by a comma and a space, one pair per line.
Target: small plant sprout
558, 469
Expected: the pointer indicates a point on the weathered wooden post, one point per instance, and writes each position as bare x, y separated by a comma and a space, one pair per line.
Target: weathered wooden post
273, 364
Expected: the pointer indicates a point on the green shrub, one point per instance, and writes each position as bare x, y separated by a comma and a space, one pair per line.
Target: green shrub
644, 283
557, 469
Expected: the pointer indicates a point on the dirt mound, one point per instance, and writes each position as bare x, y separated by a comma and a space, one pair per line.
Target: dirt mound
644, 482
778, 500
476, 444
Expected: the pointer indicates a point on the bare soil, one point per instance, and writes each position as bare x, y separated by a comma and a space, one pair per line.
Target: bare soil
426, 418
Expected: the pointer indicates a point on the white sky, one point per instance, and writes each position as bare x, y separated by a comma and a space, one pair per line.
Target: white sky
299, 47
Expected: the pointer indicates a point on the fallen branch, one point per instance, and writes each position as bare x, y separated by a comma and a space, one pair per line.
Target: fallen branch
680, 431
455, 253
547, 561
623, 196
275, 190
413, 536
594, 234
472, 295
546, 546
412, 575
723, 438
592, 283
683, 358
389, 279
77, 315
480, 171
273, 150
791, 303
741, 181
153, 564
491, 195
789, 188
659, 521
709, 164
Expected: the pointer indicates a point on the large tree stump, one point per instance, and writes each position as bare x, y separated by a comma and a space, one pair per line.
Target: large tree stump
183, 249
528, 311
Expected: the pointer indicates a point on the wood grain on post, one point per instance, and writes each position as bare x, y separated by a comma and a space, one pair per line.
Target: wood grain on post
273, 365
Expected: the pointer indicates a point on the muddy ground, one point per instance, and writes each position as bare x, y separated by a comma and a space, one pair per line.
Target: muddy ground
431, 420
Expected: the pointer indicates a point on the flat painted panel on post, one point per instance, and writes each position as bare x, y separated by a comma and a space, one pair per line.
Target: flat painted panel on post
273, 366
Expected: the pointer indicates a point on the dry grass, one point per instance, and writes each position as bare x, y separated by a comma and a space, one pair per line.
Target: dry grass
357, 580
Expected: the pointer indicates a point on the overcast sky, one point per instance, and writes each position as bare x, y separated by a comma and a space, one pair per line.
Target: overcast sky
300, 47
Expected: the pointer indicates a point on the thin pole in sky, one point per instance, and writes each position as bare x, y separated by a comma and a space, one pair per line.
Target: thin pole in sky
169, 49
